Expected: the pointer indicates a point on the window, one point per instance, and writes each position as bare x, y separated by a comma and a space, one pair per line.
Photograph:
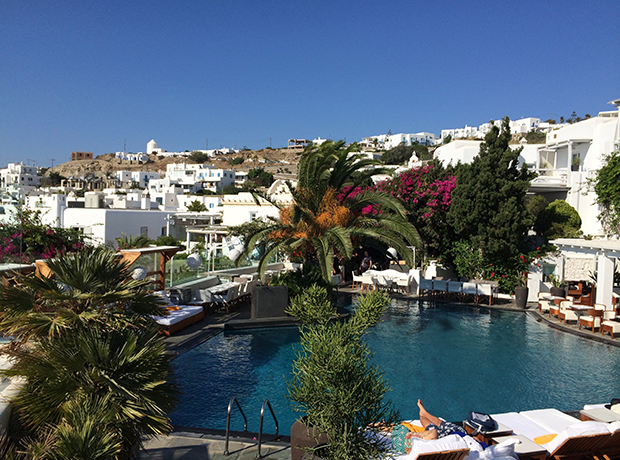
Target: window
252, 216
163, 231
144, 231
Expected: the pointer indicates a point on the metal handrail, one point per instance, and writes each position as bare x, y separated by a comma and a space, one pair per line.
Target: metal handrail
245, 422
260, 428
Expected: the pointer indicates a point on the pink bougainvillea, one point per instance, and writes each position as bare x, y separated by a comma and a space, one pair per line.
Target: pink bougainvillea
415, 188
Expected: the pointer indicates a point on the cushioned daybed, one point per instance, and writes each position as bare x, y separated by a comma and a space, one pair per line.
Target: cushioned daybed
179, 316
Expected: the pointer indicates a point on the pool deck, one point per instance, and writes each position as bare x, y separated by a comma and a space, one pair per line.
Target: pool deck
190, 445
193, 446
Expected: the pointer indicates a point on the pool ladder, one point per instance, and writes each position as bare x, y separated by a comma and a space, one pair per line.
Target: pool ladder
245, 423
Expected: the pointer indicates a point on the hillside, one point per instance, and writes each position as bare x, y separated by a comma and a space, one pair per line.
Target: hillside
274, 161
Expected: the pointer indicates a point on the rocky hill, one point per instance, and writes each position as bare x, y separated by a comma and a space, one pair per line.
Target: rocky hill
276, 161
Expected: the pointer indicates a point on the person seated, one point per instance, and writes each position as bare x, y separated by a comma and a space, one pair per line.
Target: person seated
434, 428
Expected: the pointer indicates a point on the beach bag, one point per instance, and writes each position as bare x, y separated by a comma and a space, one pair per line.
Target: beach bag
481, 422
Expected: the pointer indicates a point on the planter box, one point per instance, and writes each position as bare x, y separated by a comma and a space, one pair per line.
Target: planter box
521, 296
269, 301
303, 437
558, 292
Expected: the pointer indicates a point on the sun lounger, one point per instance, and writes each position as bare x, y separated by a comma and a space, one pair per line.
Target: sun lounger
573, 440
186, 315
451, 447
551, 419
600, 415
582, 439
522, 425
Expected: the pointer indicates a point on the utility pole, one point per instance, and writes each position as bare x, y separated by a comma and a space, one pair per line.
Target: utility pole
53, 159
269, 142
207, 143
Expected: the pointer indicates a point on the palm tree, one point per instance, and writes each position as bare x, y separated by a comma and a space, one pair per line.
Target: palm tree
91, 286
327, 215
97, 376
131, 242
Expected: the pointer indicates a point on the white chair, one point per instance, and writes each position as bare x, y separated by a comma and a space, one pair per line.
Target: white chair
227, 300
485, 290
426, 286
565, 313
455, 289
358, 281
367, 281
609, 312
405, 284
470, 290
543, 306
591, 320
439, 286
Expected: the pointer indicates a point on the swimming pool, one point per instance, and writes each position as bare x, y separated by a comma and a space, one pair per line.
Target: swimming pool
454, 358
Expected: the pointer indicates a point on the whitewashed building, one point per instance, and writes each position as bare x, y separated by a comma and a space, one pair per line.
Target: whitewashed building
103, 225
19, 174
194, 177
389, 141
241, 208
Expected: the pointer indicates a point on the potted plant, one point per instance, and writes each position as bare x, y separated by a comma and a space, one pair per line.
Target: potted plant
334, 383
575, 164
521, 290
557, 286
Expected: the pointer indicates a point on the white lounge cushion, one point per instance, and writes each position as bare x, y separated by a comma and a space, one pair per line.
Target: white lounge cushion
451, 442
577, 429
552, 419
175, 316
164, 296
521, 425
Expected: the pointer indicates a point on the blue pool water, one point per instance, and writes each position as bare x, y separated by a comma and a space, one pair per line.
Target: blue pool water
454, 358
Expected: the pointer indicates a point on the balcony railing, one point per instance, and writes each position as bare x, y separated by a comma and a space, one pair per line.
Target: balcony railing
556, 177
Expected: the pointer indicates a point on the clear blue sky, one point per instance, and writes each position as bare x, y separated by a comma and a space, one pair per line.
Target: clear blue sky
88, 75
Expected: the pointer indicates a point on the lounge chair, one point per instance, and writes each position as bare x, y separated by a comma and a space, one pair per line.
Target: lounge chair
560, 434
566, 314
179, 316
592, 319
451, 447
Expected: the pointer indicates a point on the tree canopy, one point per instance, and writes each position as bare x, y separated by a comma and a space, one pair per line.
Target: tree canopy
488, 202
606, 184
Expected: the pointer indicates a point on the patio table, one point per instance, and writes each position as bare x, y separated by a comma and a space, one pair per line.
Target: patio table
221, 288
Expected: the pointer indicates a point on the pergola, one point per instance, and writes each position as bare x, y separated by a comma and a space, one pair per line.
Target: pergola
165, 254
604, 252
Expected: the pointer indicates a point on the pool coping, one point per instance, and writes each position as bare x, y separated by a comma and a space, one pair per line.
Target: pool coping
586, 334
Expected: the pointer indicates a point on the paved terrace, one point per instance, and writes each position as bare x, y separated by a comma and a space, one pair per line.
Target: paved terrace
190, 443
